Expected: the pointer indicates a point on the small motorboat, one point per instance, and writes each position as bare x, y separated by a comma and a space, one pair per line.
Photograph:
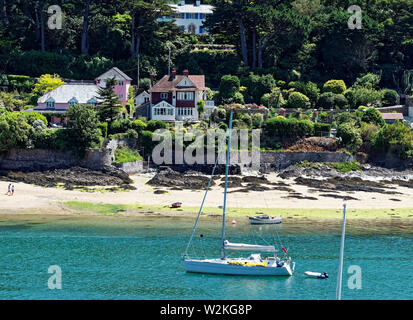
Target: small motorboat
317, 275
265, 219
176, 205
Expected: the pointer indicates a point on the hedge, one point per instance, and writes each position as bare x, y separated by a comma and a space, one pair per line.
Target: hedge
320, 128
289, 128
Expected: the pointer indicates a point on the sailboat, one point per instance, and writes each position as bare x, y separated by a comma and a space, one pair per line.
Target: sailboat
254, 265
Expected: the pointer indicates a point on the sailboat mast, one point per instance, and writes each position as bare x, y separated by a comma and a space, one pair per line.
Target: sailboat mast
340, 261
225, 190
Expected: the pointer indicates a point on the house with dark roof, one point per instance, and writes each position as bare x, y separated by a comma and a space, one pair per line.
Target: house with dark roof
175, 97
59, 100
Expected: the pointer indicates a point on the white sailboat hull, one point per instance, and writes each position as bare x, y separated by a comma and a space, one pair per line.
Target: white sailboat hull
218, 266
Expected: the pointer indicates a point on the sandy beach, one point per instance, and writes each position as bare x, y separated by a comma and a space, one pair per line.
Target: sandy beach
31, 199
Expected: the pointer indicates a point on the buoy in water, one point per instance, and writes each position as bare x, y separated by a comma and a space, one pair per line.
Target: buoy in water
234, 222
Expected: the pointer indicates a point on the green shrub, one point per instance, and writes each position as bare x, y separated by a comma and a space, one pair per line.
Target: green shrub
229, 86
120, 126
14, 131
246, 118
103, 126
274, 99
326, 100
309, 89
298, 100
368, 133
238, 98
346, 166
347, 117
257, 120
258, 85
31, 117
153, 125
320, 128
146, 141
52, 139
350, 137
124, 154
396, 138
369, 80
324, 116
390, 97
360, 96
289, 128
335, 86
138, 125
340, 101
372, 115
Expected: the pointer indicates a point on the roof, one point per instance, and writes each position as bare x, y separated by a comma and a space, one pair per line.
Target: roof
62, 94
115, 72
392, 116
190, 8
143, 93
165, 85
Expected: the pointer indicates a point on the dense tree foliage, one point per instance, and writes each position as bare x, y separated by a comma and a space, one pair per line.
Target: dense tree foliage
289, 39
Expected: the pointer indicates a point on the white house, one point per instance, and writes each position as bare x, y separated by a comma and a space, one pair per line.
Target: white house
142, 98
191, 17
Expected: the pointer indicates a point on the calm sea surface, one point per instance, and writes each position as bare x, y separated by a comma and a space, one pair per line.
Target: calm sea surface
131, 258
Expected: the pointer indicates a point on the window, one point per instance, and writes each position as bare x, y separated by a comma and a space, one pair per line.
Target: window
146, 99
183, 28
50, 104
187, 16
72, 102
196, 15
182, 15
120, 96
164, 95
92, 102
163, 111
188, 96
201, 30
120, 83
201, 16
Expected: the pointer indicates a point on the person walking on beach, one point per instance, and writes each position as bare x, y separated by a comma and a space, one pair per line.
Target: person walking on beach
12, 189
8, 189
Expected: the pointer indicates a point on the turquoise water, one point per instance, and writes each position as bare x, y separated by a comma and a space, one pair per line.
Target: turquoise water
131, 258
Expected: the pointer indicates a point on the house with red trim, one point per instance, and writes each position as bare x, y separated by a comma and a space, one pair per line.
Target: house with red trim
175, 97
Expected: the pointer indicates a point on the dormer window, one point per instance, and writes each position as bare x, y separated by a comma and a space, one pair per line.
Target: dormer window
50, 103
92, 102
73, 102
120, 83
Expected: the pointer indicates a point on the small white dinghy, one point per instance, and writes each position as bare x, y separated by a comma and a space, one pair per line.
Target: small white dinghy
265, 219
317, 275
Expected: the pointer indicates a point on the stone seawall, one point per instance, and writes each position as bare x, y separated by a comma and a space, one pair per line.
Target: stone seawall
130, 167
39, 159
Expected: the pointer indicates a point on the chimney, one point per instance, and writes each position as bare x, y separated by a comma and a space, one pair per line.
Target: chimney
182, 3
186, 72
151, 76
173, 75
197, 3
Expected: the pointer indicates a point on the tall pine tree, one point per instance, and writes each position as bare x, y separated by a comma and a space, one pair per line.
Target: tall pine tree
110, 107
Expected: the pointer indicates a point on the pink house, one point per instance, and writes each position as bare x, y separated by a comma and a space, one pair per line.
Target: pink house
59, 100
